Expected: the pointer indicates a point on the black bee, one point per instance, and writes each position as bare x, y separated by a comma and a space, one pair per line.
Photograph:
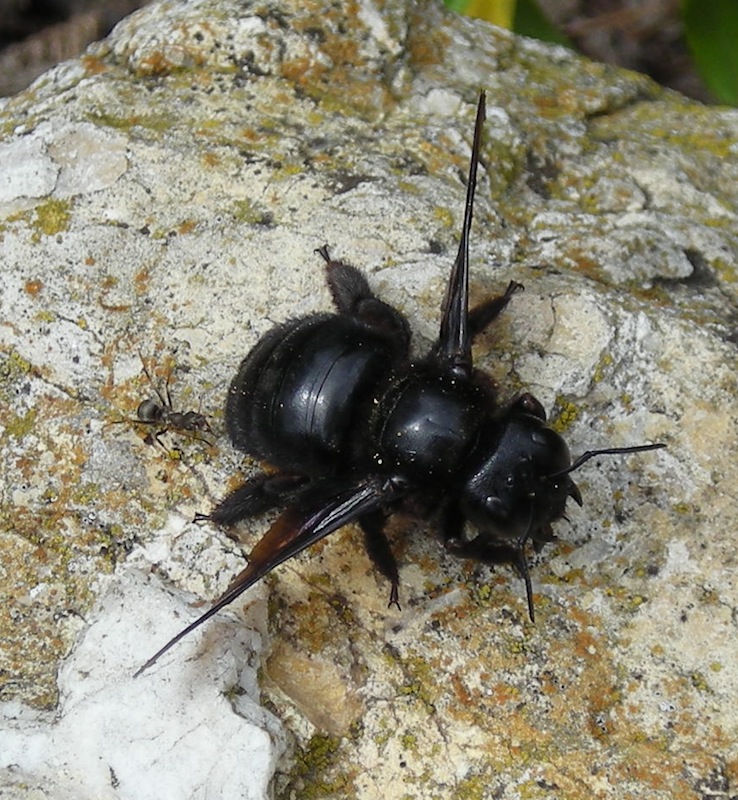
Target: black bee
357, 430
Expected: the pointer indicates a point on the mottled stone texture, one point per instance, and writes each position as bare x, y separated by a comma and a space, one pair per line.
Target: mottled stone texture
160, 200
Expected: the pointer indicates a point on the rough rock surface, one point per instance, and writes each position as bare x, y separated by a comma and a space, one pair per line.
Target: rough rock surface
161, 199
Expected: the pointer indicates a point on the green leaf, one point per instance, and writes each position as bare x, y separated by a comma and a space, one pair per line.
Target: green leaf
459, 6
530, 21
711, 29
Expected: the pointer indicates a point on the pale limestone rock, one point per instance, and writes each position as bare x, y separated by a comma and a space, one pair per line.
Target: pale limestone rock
164, 195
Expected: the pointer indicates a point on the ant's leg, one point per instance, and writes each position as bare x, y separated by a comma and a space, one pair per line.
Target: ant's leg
352, 295
165, 401
257, 495
486, 312
167, 379
156, 436
380, 552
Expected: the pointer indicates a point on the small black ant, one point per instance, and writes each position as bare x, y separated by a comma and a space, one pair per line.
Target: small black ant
159, 412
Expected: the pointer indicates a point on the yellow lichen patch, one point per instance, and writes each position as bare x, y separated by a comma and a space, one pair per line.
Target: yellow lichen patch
566, 415
53, 216
725, 270
248, 212
154, 122
604, 364
18, 426
444, 216
314, 772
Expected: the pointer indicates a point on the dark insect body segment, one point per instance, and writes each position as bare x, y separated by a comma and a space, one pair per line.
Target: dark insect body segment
357, 431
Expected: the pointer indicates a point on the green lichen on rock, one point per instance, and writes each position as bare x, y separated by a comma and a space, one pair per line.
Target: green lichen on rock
53, 216
313, 774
